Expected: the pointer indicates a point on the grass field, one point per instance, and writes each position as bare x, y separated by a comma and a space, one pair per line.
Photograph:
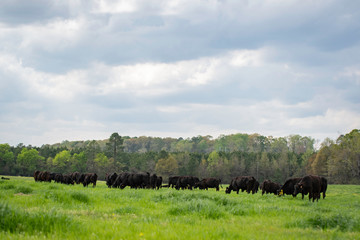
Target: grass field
34, 210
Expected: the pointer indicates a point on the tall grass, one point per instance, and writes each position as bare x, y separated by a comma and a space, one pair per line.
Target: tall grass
17, 221
30, 210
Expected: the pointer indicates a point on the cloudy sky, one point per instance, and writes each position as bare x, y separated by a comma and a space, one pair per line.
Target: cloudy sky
81, 70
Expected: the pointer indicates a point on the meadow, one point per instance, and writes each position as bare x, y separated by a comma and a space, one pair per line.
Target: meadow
39, 210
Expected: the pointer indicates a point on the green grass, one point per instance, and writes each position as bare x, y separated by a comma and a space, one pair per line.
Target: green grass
30, 210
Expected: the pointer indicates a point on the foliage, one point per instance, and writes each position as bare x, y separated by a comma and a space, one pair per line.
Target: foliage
28, 161
225, 157
340, 161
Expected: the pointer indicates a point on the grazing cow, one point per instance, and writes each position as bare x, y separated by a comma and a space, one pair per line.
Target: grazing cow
289, 187
44, 176
90, 178
159, 182
110, 179
172, 181
208, 183
309, 185
242, 183
75, 176
185, 182
58, 178
270, 187
323, 186
255, 187
120, 179
153, 179
36, 175
5, 178
136, 180
67, 179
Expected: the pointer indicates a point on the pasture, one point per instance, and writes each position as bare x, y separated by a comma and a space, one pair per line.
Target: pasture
42, 210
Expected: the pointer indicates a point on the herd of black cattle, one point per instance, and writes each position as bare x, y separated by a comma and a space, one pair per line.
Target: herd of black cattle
312, 185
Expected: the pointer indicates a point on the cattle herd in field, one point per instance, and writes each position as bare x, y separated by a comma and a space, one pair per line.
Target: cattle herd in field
75, 177
310, 184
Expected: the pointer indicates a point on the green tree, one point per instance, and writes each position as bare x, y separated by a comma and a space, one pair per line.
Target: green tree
78, 162
61, 162
101, 165
92, 149
28, 161
115, 145
167, 166
217, 165
7, 159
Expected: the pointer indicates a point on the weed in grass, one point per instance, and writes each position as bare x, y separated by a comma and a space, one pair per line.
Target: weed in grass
125, 210
81, 197
204, 208
52, 187
340, 221
24, 190
7, 186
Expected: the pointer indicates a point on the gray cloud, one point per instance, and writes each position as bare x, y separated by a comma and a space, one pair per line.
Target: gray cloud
84, 69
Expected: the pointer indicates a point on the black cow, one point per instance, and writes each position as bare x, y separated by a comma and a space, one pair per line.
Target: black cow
75, 176
309, 185
44, 176
289, 187
90, 178
159, 182
136, 180
270, 187
67, 179
58, 178
5, 178
172, 181
110, 179
243, 183
153, 179
208, 183
36, 175
122, 177
323, 186
186, 182
255, 187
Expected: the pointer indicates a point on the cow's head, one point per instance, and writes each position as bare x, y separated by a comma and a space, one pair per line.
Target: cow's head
298, 188
280, 192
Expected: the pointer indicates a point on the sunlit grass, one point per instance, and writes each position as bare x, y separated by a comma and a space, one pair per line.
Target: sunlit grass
30, 210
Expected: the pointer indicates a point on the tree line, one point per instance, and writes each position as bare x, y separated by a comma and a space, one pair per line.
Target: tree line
224, 157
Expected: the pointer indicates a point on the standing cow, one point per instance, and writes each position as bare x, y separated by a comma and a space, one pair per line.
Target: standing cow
309, 185
110, 179
243, 183
208, 183
270, 187
289, 187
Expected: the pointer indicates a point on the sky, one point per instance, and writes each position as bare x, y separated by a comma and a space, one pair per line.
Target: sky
84, 69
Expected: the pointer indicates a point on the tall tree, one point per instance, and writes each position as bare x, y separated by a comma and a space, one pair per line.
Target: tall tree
167, 166
115, 145
7, 160
28, 161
